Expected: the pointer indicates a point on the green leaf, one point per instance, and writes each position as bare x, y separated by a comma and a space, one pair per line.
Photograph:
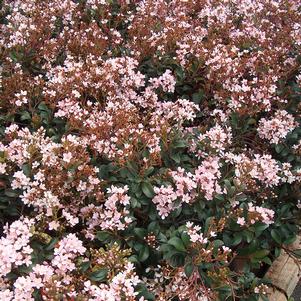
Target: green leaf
198, 97
143, 292
149, 171
148, 189
237, 239
154, 227
180, 73
259, 228
234, 120
285, 152
290, 240
249, 235
43, 107
140, 232
208, 223
176, 157
177, 243
279, 148
85, 266
297, 253
52, 244
11, 193
250, 249
26, 169
104, 171
98, 275
143, 253
186, 239
103, 235
277, 252
177, 260
218, 243
133, 259
261, 253
267, 260
188, 269
137, 245
135, 203
179, 144
225, 290
276, 236
25, 116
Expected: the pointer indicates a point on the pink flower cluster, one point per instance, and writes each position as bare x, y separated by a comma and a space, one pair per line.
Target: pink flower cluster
204, 244
217, 138
265, 215
165, 200
122, 286
14, 246
112, 217
276, 128
69, 248
59, 273
207, 176
166, 81
185, 185
194, 233
204, 179
48, 164
261, 167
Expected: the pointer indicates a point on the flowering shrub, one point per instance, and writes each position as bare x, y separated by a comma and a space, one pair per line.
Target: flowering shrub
147, 147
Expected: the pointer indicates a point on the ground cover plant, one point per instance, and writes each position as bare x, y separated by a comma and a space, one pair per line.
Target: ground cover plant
150, 150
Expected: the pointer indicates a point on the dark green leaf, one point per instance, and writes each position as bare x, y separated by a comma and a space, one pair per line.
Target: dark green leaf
177, 243
85, 266
188, 269
297, 252
103, 235
98, 275
140, 232
276, 236
148, 189
260, 253
143, 253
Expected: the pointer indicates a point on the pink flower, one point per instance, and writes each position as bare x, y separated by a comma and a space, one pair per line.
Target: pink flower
54, 225
2, 168
193, 232
67, 157
207, 175
241, 221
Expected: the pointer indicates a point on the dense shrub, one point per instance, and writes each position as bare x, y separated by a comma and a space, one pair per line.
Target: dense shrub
150, 150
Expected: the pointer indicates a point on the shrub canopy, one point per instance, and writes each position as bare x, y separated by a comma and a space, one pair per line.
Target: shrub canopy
150, 150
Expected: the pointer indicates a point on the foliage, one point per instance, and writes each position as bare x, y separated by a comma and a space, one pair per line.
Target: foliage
150, 150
